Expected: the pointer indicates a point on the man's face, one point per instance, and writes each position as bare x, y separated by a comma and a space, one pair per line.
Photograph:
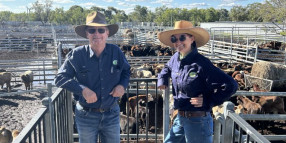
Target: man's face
97, 35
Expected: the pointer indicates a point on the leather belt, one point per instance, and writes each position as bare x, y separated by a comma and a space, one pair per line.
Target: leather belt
101, 110
189, 114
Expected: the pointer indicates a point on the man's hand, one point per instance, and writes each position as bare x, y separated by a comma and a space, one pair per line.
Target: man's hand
117, 91
197, 101
89, 95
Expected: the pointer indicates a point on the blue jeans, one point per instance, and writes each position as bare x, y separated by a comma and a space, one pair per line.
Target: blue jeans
90, 124
191, 130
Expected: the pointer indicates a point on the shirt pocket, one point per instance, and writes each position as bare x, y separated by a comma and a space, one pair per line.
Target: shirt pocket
192, 84
115, 73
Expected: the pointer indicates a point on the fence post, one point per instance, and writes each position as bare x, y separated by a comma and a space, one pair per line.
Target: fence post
51, 111
47, 119
59, 55
228, 122
70, 116
217, 127
49, 122
166, 119
44, 70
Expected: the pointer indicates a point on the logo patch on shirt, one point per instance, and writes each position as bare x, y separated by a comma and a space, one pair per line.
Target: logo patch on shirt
114, 62
192, 74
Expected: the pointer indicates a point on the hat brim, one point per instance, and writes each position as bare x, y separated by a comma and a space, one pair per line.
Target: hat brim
201, 35
80, 30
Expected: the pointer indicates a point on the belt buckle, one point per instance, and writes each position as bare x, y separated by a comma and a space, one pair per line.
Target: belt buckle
101, 110
188, 114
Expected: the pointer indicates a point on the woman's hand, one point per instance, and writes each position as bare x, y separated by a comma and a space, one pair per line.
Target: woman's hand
161, 87
197, 101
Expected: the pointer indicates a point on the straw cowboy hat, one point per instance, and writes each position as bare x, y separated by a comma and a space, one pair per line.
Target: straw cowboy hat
96, 19
200, 34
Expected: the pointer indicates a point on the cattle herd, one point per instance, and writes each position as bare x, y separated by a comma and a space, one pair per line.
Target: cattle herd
138, 111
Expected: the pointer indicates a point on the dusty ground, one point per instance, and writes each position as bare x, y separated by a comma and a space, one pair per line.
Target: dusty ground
17, 110
16, 55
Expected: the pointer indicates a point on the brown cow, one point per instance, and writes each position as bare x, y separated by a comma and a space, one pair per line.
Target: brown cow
5, 78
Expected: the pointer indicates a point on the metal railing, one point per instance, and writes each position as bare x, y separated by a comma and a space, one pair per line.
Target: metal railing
53, 123
234, 128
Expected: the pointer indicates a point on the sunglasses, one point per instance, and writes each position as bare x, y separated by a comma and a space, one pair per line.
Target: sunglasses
99, 30
182, 38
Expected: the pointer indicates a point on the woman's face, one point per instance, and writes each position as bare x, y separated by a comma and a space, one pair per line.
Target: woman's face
182, 42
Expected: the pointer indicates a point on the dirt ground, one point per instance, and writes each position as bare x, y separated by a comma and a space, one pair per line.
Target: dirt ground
16, 55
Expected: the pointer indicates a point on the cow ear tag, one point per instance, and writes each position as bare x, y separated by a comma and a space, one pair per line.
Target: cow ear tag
192, 74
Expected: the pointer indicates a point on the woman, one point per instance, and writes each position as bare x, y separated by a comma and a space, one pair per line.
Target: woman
197, 85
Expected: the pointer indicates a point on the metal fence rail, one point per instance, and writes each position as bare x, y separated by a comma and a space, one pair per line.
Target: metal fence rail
234, 128
44, 70
53, 122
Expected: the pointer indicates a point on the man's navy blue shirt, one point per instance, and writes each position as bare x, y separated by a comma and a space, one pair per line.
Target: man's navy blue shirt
100, 74
195, 75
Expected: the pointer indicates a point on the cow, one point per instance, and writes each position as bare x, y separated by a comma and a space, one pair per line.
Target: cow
5, 135
250, 106
5, 78
27, 79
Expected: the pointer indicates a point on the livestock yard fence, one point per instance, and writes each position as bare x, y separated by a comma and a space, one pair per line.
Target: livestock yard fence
54, 122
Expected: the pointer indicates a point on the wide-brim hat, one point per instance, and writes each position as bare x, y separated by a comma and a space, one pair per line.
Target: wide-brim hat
96, 19
201, 35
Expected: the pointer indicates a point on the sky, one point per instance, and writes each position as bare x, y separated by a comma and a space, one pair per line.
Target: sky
17, 6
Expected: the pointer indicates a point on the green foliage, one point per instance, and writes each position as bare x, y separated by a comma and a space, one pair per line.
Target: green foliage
283, 33
270, 11
5, 16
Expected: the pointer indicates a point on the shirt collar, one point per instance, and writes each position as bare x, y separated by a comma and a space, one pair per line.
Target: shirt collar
190, 56
91, 53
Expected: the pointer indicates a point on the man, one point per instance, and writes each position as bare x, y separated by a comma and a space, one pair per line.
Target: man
97, 74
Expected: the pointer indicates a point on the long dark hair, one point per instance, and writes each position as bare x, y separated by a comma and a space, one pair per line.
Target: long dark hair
194, 45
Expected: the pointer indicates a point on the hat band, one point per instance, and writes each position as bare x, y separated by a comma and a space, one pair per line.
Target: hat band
101, 22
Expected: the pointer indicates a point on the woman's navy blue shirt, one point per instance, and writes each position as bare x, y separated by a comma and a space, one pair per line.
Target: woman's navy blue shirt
195, 75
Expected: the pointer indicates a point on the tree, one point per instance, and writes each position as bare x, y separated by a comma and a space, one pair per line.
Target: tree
211, 15
120, 16
150, 16
238, 13
76, 15
139, 14
5, 16
42, 11
58, 16
223, 15
274, 11
254, 12
158, 14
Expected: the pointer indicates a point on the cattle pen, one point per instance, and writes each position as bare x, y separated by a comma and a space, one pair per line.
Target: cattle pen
54, 122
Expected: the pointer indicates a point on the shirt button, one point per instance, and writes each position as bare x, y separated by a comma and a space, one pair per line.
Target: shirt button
100, 69
102, 88
101, 79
